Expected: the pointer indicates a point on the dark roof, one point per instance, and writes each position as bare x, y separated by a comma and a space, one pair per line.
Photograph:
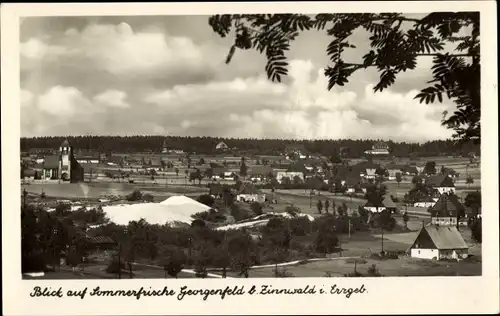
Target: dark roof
371, 204
388, 202
445, 237
219, 170
51, 162
393, 166
65, 143
297, 167
247, 188
410, 169
447, 205
100, 240
260, 170
426, 199
353, 180
440, 181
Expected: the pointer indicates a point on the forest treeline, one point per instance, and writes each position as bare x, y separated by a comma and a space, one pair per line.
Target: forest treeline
206, 145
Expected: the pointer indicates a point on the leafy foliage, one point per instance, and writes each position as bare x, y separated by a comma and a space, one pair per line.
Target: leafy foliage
394, 48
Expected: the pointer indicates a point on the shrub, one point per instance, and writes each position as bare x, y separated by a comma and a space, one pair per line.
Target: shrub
283, 273
34, 263
210, 216
114, 266
148, 197
256, 208
239, 214
373, 271
198, 223
300, 226
134, 196
206, 199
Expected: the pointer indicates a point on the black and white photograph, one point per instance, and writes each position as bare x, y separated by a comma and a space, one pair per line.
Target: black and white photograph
239, 146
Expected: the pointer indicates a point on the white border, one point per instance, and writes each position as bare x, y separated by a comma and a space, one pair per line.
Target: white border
437, 295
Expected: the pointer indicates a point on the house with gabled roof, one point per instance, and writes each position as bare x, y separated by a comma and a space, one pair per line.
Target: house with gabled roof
248, 193
410, 170
442, 183
425, 202
393, 169
379, 148
447, 210
389, 204
221, 146
374, 208
439, 242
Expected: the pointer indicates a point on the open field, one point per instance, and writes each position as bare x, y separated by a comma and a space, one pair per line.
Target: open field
391, 267
102, 189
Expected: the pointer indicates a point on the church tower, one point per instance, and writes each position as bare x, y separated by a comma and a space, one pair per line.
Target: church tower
65, 154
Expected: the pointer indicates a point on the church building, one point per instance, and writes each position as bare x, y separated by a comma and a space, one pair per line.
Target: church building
63, 166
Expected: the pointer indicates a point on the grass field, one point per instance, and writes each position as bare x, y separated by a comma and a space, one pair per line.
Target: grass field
102, 189
391, 267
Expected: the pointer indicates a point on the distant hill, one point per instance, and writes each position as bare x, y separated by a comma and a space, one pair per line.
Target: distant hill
347, 148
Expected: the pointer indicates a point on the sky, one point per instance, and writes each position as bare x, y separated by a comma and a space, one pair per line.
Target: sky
166, 75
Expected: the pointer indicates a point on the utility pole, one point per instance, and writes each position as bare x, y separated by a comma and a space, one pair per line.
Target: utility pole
310, 198
349, 228
119, 260
382, 238
25, 194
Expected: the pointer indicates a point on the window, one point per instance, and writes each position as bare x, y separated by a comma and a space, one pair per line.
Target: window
419, 252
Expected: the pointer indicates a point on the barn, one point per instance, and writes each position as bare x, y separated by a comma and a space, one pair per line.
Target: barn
439, 242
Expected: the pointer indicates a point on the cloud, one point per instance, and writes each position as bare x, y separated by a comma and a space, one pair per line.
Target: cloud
63, 101
112, 98
255, 107
120, 51
158, 80
26, 98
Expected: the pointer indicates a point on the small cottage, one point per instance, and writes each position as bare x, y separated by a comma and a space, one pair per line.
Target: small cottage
425, 202
389, 204
439, 242
248, 193
442, 183
447, 210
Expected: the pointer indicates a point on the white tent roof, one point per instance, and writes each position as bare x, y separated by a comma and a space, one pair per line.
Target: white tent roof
174, 209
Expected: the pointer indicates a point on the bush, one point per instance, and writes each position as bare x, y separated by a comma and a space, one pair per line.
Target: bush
134, 196
300, 226
239, 214
198, 223
206, 199
210, 216
148, 197
373, 271
34, 263
115, 267
256, 208
283, 273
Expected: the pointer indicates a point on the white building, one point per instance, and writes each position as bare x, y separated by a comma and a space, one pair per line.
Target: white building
221, 146
379, 148
425, 202
289, 174
439, 242
248, 193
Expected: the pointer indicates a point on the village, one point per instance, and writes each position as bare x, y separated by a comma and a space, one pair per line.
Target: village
174, 213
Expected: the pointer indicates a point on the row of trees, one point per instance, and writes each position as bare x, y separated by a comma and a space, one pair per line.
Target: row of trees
206, 145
